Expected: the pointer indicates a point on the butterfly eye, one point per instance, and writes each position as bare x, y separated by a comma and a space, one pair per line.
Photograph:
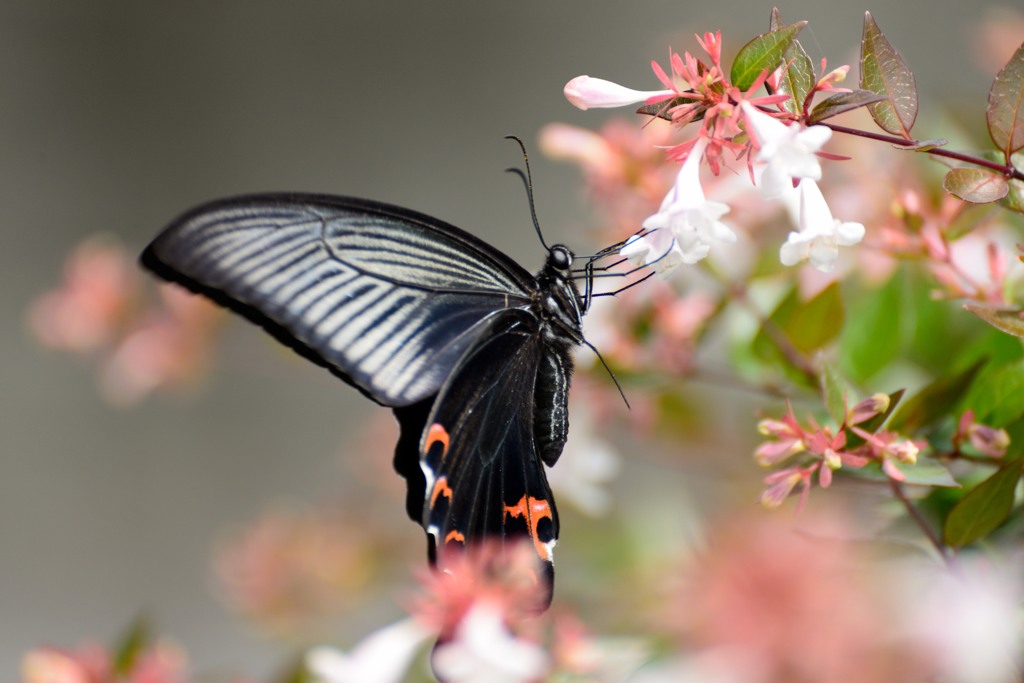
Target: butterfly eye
560, 258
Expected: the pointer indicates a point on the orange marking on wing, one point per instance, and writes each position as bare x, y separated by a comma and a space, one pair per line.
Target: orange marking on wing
441, 488
454, 536
437, 434
532, 510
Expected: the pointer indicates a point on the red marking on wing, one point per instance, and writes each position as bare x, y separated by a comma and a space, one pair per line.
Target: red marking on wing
532, 510
441, 488
437, 434
454, 536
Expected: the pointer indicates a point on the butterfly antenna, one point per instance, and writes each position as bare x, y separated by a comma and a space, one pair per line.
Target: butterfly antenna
528, 182
610, 373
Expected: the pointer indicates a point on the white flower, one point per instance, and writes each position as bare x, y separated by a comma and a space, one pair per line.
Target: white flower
483, 651
585, 92
382, 657
820, 234
788, 151
686, 224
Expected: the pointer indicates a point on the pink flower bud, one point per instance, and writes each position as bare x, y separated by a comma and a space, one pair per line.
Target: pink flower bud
585, 92
868, 408
992, 442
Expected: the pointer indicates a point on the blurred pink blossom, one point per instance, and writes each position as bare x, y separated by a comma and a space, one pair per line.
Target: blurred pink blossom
161, 662
292, 570
99, 293
792, 606
102, 309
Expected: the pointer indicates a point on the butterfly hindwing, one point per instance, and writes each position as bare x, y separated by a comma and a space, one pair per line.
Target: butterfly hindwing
482, 475
387, 298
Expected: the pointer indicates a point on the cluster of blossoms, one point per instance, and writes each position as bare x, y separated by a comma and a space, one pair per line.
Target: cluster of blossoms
101, 310
783, 160
854, 445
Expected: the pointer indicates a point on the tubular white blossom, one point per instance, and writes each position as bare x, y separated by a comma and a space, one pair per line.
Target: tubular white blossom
382, 657
585, 93
483, 651
686, 224
820, 235
788, 151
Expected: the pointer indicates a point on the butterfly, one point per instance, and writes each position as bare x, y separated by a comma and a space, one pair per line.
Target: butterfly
471, 351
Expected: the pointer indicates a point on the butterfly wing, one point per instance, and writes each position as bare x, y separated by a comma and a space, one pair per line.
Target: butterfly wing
386, 298
480, 473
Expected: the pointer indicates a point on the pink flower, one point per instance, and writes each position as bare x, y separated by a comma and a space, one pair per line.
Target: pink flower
160, 662
100, 290
506, 576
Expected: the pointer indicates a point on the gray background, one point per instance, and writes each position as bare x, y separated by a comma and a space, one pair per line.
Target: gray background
115, 116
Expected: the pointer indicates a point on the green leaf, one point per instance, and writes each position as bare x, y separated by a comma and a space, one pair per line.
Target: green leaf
925, 472
761, 54
130, 645
817, 322
1014, 199
798, 75
934, 402
838, 103
883, 71
835, 390
806, 326
1009, 320
876, 331
996, 397
1005, 113
984, 508
976, 185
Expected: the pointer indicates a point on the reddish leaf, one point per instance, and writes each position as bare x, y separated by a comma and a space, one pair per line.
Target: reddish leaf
1005, 112
842, 102
1009, 320
884, 72
975, 185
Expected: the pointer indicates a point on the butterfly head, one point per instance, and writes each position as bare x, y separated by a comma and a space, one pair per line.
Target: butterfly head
560, 260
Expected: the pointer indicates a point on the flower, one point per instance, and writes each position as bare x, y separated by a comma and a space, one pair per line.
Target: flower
788, 151
585, 92
157, 662
382, 657
88, 310
484, 651
820, 235
685, 225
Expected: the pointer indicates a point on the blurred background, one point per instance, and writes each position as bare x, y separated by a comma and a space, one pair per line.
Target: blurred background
116, 116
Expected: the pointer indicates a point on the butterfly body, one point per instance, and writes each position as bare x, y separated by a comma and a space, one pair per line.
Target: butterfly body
471, 351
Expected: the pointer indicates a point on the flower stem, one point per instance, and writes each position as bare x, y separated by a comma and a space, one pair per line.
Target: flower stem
921, 522
1004, 169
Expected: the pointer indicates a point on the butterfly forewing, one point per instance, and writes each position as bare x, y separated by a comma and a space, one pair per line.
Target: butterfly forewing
388, 298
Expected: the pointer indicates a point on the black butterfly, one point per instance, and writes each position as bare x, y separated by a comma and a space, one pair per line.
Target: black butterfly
472, 352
